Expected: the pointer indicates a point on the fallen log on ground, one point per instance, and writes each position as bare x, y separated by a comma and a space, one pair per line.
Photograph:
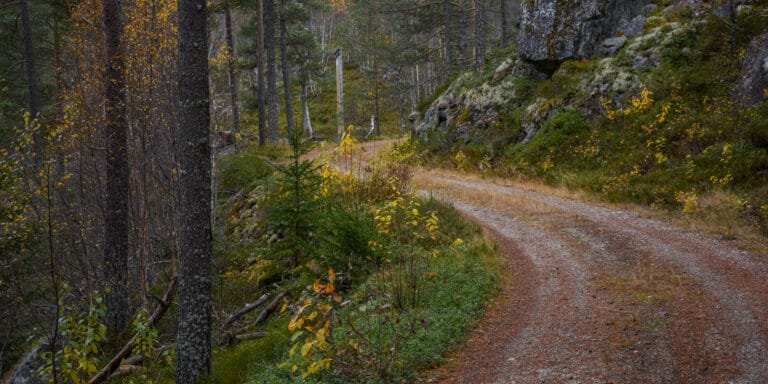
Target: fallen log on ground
160, 310
245, 310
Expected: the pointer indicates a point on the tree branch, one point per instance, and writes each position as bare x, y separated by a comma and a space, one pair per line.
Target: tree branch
160, 310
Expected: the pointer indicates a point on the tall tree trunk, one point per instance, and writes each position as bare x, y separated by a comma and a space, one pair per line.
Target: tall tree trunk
286, 69
29, 64
463, 32
504, 10
447, 36
116, 220
193, 341
339, 93
261, 82
269, 44
479, 34
305, 118
734, 23
232, 71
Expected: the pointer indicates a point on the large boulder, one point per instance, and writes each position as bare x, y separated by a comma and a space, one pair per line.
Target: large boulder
552, 31
753, 86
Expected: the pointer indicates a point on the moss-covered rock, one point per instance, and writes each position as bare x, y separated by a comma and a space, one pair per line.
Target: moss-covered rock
552, 31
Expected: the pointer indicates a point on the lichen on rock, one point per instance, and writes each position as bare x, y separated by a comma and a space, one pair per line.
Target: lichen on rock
552, 31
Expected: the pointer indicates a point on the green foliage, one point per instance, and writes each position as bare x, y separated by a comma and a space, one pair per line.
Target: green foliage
293, 208
242, 170
83, 335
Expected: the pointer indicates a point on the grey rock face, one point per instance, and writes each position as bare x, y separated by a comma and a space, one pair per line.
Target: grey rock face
552, 31
753, 86
633, 27
612, 45
535, 116
26, 370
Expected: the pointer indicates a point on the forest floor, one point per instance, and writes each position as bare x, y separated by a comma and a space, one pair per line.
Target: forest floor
597, 293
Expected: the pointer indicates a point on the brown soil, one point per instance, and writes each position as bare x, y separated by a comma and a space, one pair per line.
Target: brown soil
598, 294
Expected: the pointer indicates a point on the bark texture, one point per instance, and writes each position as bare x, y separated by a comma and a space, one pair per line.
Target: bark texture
117, 218
232, 70
306, 120
269, 45
479, 34
463, 32
261, 97
504, 10
193, 340
447, 37
31, 72
286, 69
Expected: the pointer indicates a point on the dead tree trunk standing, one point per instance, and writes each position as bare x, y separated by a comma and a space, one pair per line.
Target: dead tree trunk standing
479, 34
504, 10
339, 92
260, 93
193, 341
232, 70
447, 38
463, 32
29, 65
734, 23
269, 44
305, 118
286, 70
116, 220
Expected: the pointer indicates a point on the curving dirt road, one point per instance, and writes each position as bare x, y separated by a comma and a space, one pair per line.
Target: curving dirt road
603, 295
598, 294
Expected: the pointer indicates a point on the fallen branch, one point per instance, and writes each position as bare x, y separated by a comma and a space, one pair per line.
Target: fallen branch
160, 310
124, 370
269, 309
242, 312
250, 336
241, 334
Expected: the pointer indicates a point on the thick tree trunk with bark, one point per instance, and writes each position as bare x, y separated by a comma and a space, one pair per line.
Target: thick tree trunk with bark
193, 341
479, 34
116, 220
504, 10
232, 70
447, 36
31, 70
29, 57
463, 32
286, 69
261, 81
269, 44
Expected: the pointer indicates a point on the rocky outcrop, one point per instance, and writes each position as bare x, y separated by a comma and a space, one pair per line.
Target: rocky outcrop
535, 116
753, 85
552, 31
26, 371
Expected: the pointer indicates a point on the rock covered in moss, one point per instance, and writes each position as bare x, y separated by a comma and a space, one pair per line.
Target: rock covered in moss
552, 31
535, 116
753, 85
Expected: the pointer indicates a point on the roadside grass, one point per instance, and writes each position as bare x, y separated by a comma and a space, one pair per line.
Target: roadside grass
463, 281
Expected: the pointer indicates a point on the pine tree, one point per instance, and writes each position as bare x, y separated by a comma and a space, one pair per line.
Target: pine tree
193, 341
116, 220
269, 45
286, 67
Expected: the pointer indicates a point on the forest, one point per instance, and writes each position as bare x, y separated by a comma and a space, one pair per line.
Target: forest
393, 191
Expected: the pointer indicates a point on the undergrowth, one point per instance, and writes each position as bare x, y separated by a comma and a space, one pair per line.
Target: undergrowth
679, 143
